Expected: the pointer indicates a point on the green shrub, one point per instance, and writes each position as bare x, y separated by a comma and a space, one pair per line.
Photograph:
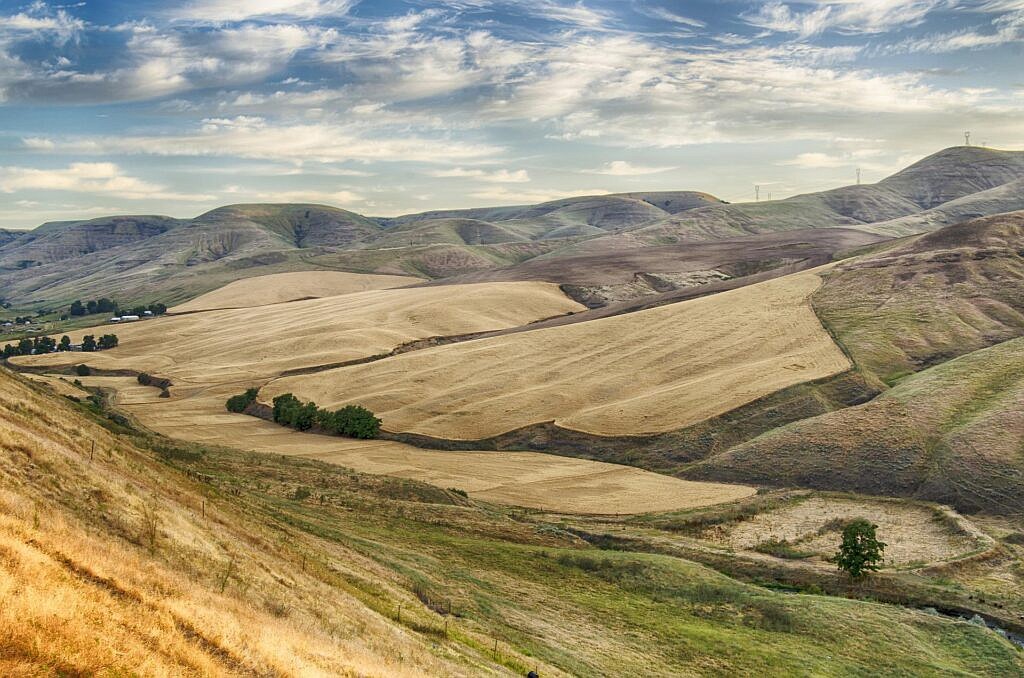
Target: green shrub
352, 420
82, 370
780, 548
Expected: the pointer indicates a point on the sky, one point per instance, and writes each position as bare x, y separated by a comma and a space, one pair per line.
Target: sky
387, 107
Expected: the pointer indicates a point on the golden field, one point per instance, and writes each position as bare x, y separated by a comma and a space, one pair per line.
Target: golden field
649, 371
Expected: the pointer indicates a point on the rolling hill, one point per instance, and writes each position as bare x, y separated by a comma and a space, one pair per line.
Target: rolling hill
929, 299
208, 561
649, 371
952, 433
135, 259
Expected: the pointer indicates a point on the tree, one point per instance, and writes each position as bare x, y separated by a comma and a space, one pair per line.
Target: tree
77, 308
89, 343
107, 341
860, 552
90, 307
239, 403
82, 370
65, 343
105, 305
157, 308
25, 347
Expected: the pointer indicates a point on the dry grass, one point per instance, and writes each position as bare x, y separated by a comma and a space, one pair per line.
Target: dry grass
281, 287
912, 533
74, 601
529, 479
650, 371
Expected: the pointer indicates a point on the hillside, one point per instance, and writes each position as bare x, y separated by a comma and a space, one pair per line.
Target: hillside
60, 241
135, 259
265, 290
953, 434
203, 561
649, 371
948, 175
932, 298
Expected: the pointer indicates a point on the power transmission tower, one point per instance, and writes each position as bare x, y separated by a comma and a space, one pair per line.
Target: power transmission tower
967, 138
757, 193
858, 176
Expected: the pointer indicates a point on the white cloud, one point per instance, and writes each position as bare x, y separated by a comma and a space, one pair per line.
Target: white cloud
341, 198
216, 11
847, 16
253, 137
507, 196
622, 168
101, 178
497, 177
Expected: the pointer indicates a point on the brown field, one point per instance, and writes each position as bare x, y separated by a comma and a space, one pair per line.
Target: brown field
913, 533
210, 356
655, 370
529, 479
245, 346
277, 288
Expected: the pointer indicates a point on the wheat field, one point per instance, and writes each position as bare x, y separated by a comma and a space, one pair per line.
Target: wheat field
651, 371
276, 288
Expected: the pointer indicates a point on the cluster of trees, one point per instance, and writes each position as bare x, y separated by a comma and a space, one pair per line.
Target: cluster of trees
22, 320
38, 345
352, 420
239, 402
105, 305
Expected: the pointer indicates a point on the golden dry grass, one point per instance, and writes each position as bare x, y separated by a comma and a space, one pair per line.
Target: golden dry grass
529, 479
912, 533
252, 344
76, 600
651, 371
281, 287
59, 385
213, 355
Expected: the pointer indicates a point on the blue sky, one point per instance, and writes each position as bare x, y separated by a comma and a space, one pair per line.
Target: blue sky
387, 107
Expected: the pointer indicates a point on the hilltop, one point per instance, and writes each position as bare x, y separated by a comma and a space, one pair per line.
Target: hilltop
171, 260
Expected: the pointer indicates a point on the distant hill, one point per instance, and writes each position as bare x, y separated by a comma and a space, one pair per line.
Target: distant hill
171, 260
951, 434
930, 299
951, 174
940, 317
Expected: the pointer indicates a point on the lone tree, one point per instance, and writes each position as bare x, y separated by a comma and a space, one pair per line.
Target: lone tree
860, 552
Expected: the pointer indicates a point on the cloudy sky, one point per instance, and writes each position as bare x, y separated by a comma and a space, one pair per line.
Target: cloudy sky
393, 106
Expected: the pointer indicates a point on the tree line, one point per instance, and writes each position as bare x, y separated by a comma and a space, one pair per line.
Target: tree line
352, 421
106, 305
38, 345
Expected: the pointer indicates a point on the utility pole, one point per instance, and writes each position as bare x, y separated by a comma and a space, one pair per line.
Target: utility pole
858, 176
757, 193
967, 138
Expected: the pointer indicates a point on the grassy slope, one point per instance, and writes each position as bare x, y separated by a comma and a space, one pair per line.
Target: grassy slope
953, 433
314, 584
932, 298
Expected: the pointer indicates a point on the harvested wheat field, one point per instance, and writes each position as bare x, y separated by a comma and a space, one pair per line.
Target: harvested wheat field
277, 288
914, 534
529, 479
651, 371
253, 344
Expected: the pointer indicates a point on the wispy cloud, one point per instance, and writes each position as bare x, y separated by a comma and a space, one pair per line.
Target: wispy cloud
496, 177
622, 168
98, 178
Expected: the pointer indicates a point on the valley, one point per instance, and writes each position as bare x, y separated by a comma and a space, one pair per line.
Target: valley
619, 434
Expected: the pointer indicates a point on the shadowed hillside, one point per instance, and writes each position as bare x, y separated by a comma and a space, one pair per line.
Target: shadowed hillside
935, 297
953, 434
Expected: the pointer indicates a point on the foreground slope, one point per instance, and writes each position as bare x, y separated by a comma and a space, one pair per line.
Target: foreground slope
654, 370
953, 433
201, 562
